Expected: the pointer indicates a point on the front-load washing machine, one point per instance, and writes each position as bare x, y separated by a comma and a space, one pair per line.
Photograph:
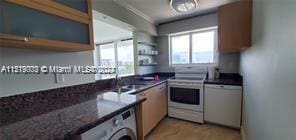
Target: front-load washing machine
120, 127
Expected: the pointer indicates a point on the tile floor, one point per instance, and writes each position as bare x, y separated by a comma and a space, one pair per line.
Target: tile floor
175, 129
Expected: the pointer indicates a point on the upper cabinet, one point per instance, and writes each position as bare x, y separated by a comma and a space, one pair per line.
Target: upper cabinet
235, 26
64, 25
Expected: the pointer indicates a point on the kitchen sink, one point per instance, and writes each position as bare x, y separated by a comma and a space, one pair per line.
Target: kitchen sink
134, 86
122, 90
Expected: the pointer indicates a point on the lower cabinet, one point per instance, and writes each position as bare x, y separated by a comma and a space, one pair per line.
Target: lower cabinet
151, 111
223, 105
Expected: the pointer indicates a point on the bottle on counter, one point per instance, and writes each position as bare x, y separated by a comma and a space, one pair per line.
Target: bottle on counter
156, 78
217, 74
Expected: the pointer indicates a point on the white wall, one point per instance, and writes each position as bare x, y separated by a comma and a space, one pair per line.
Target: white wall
269, 68
163, 54
18, 84
228, 63
104, 32
111, 8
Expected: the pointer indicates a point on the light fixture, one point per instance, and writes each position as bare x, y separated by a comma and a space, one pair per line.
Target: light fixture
183, 6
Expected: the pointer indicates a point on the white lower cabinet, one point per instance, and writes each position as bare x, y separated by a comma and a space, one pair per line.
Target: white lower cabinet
223, 105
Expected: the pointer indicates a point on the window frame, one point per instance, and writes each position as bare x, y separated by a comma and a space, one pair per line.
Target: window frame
190, 33
98, 55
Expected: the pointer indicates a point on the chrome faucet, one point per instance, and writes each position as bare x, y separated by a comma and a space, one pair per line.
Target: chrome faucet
117, 81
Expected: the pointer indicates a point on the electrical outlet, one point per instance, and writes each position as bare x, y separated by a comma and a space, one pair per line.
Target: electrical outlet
60, 78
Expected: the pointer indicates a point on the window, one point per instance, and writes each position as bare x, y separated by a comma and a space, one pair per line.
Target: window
194, 48
117, 54
125, 57
180, 49
107, 58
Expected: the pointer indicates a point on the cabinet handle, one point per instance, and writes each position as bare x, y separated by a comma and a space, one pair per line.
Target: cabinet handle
12, 37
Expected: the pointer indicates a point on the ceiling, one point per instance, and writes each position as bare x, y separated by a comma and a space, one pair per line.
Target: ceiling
159, 11
104, 32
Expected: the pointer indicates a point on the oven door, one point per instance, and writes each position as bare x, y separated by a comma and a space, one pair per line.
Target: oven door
186, 97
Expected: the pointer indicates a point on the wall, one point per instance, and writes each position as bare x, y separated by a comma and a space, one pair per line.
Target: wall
199, 22
18, 84
269, 69
228, 63
104, 32
111, 8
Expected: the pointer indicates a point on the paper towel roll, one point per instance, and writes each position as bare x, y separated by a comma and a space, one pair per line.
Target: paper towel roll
211, 72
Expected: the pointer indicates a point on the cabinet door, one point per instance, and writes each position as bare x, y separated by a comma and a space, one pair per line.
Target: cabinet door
226, 30
148, 111
77, 10
234, 29
80, 5
42, 29
223, 105
151, 111
161, 101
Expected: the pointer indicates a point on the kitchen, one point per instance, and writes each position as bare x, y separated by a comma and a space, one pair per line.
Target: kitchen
171, 69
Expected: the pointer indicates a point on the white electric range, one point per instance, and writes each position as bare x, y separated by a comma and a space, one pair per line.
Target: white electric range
186, 94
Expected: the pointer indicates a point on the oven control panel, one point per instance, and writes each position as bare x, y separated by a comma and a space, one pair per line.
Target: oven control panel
191, 84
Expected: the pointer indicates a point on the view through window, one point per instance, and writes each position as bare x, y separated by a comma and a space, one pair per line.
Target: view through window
193, 48
117, 54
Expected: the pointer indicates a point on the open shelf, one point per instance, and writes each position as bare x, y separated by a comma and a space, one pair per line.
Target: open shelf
147, 44
147, 64
147, 54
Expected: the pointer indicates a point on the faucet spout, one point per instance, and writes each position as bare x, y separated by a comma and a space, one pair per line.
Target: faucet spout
117, 81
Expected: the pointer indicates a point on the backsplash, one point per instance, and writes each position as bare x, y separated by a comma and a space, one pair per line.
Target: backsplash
36, 101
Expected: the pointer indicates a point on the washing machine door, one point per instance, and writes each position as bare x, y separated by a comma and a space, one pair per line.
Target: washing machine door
124, 134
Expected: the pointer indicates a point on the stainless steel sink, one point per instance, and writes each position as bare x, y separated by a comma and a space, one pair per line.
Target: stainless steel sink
134, 86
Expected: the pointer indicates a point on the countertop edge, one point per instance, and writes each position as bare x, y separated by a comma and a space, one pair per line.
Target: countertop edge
223, 83
87, 127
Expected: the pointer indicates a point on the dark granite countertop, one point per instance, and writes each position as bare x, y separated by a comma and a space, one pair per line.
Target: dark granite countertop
226, 79
68, 118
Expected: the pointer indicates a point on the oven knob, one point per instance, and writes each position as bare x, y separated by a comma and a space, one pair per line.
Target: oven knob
115, 122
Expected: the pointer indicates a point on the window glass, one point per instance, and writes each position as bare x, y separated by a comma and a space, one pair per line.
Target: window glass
203, 47
125, 57
107, 58
192, 48
118, 55
180, 49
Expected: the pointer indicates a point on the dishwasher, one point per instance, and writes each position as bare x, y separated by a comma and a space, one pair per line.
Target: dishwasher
223, 105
